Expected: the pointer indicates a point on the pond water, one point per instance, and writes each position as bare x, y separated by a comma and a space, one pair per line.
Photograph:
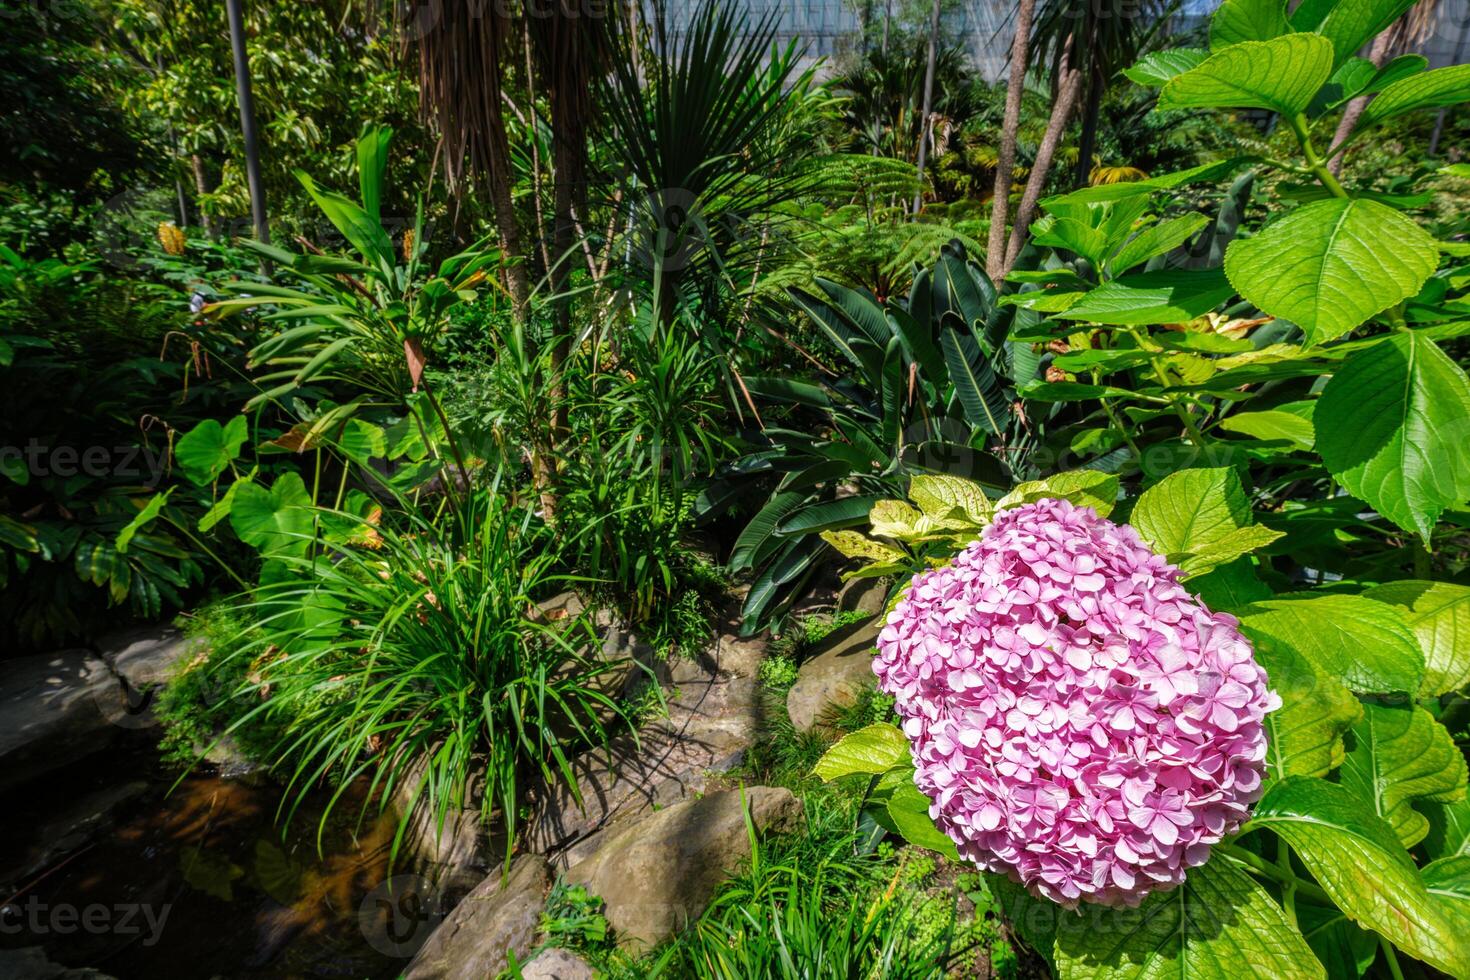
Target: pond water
198, 880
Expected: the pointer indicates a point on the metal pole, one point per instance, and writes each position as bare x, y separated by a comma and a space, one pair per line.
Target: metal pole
247, 120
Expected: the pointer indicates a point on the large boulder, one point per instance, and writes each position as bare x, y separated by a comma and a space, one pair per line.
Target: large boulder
557, 964
657, 873
714, 712
868, 596
145, 658
471, 943
54, 709
834, 674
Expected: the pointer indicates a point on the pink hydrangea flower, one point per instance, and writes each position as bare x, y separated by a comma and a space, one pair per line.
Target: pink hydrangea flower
1077, 719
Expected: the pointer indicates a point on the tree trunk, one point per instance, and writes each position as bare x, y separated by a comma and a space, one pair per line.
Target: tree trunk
1006, 155
201, 188
1061, 111
1087, 143
924, 123
1355, 108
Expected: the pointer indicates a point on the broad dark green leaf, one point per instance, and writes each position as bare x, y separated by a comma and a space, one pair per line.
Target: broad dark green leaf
1218, 922
1247, 20
1161, 296
1401, 756
1359, 862
1330, 265
1439, 615
1392, 426
1364, 644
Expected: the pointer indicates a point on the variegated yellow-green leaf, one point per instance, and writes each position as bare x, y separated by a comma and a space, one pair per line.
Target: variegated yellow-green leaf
940, 495
855, 545
1084, 488
872, 750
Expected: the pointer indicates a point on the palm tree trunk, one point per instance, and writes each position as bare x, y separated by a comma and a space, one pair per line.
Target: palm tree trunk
924, 122
1006, 155
1061, 112
1087, 143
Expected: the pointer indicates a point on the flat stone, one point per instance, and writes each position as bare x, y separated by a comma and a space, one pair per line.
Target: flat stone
55, 708
471, 943
557, 964
835, 673
656, 874
713, 716
146, 657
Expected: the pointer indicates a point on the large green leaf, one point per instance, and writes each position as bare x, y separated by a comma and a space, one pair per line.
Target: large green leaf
1350, 24
755, 540
1157, 67
1401, 755
1191, 509
1161, 296
275, 521
908, 808
1247, 20
1307, 730
1273, 426
1364, 644
975, 381
207, 450
1218, 923
1449, 830
1392, 426
1156, 240
1344, 949
1359, 862
1439, 615
1282, 74
1330, 265
873, 750
1448, 880
1429, 90
940, 496
828, 515
364, 231
1083, 488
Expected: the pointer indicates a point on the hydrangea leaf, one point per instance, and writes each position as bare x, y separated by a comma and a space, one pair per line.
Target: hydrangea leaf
1223, 550
1401, 755
940, 495
1273, 426
1157, 67
1344, 949
1364, 644
1392, 426
1439, 615
1449, 830
908, 808
1191, 509
1247, 20
1161, 296
1307, 730
872, 750
1361, 865
1448, 880
1330, 265
1084, 488
1219, 920
1282, 74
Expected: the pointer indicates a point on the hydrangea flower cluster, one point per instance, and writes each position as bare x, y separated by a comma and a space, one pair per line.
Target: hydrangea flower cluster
1077, 719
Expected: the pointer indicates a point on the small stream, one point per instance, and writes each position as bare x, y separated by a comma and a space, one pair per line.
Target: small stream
198, 880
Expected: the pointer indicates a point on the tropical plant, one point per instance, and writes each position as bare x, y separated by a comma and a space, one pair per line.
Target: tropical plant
1284, 411
934, 388
414, 654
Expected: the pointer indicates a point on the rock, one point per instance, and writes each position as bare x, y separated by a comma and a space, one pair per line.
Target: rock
32, 963
54, 709
713, 715
838, 669
471, 943
145, 658
865, 595
76, 825
456, 855
557, 964
657, 873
